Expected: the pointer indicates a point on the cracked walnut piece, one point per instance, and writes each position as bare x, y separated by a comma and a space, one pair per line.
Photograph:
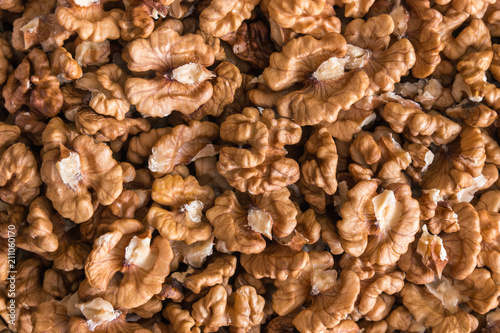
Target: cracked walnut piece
70, 172
182, 80
320, 65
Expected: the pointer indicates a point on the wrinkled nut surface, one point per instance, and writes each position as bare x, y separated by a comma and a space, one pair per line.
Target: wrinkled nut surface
250, 166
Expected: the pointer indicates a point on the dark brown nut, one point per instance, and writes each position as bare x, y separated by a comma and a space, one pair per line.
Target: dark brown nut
33, 84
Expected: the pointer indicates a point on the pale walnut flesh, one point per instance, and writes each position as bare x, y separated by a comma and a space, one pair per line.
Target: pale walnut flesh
260, 221
191, 73
193, 210
98, 312
138, 252
330, 69
387, 210
70, 170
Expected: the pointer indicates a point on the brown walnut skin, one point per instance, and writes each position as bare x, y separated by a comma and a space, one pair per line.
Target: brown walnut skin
163, 52
296, 63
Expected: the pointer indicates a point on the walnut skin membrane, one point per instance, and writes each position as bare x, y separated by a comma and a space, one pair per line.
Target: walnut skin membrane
250, 166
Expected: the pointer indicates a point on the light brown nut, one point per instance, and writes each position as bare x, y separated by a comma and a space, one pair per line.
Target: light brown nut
474, 37
413, 265
279, 35
490, 245
375, 300
215, 43
319, 64
64, 66
69, 174
421, 25
217, 272
307, 230
241, 226
463, 246
181, 81
48, 235
186, 200
435, 305
292, 293
19, 176
227, 80
29, 279
330, 235
107, 88
140, 146
418, 126
207, 174
89, 20
357, 9
350, 122
473, 114
382, 152
335, 302
401, 319
5, 55
124, 248
315, 18
105, 128
379, 227
38, 25
319, 162
242, 310
32, 84
370, 49
265, 97
276, 262
493, 321
180, 320
445, 219
246, 279
481, 290
264, 167
182, 145
472, 69
224, 16
51, 316
463, 161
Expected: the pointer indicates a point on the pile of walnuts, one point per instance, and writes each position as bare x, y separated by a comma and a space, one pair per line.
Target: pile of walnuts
313, 166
